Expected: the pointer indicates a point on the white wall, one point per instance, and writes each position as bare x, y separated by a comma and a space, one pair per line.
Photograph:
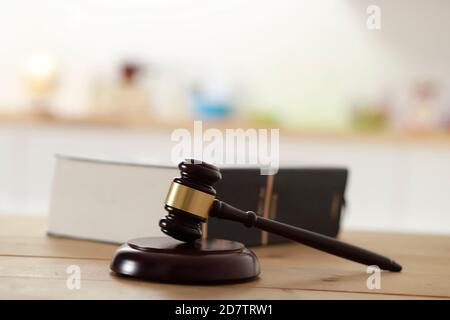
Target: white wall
308, 60
392, 186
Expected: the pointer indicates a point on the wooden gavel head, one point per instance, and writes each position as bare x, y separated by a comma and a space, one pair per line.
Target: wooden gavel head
189, 200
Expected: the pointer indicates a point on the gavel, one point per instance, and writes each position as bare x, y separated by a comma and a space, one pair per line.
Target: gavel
191, 200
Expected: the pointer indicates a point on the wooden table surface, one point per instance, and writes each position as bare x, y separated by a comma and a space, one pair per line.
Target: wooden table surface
34, 266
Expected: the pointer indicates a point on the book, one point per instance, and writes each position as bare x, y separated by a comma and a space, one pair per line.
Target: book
114, 201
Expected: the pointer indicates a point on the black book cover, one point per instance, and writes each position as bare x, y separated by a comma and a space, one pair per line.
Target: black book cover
310, 198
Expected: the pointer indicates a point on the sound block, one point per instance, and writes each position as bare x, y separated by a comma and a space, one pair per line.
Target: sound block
168, 260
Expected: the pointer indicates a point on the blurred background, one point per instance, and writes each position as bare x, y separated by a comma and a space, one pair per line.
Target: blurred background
114, 78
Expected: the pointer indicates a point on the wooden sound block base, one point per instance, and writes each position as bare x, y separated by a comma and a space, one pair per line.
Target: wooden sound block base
168, 260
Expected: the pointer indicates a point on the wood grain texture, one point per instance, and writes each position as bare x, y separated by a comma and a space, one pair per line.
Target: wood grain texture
33, 266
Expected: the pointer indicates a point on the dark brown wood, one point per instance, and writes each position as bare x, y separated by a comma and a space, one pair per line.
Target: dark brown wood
318, 241
186, 226
182, 225
169, 260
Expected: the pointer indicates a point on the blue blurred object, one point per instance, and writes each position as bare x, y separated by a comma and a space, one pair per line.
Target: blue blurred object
211, 104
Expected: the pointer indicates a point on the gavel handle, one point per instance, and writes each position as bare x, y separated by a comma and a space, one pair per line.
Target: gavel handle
338, 248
